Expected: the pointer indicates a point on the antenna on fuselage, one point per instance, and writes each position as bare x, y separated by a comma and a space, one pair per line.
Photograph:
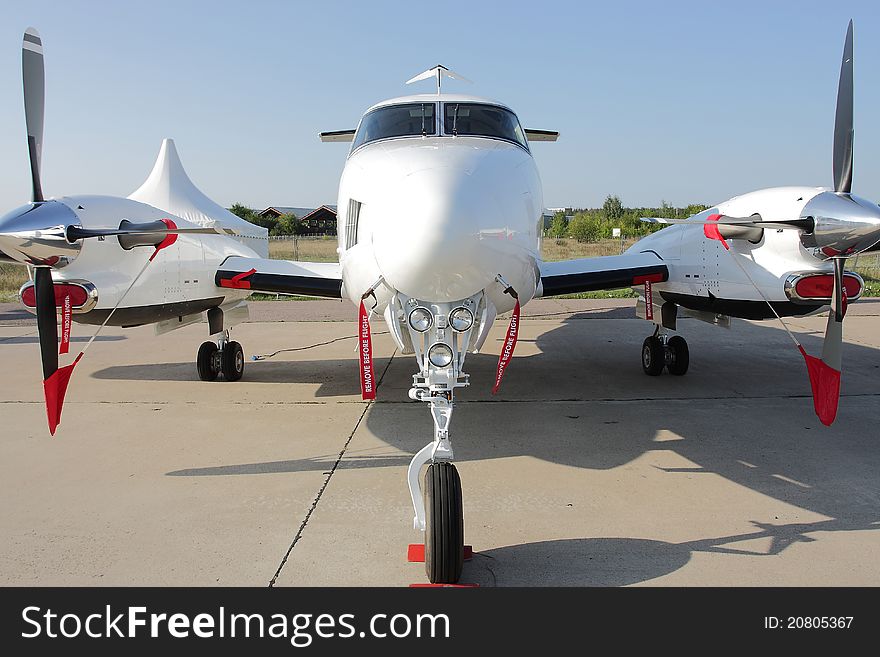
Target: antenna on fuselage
439, 72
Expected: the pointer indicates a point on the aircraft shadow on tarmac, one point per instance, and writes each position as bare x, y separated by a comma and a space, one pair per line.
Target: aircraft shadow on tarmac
13, 312
624, 561
743, 412
76, 339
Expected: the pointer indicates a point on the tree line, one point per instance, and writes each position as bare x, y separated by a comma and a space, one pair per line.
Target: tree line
582, 224
286, 224
594, 224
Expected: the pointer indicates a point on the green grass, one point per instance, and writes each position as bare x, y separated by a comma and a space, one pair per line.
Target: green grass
309, 249
626, 293
553, 250
259, 296
872, 288
12, 277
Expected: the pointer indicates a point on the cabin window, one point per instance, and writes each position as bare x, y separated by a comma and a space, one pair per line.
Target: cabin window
409, 120
351, 223
480, 120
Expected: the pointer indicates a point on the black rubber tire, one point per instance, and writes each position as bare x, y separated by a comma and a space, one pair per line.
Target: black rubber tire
653, 356
679, 355
205, 362
444, 524
232, 361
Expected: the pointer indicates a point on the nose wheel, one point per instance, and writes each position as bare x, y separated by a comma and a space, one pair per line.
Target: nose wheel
444, 524
226, 358
659, 352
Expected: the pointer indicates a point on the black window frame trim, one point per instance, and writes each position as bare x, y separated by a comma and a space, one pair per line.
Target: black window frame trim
435, 133
442, 117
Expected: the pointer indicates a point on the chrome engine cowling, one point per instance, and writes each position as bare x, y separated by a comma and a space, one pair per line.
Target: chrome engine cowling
843, 225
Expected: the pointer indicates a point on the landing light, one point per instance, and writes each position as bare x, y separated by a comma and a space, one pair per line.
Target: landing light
821, 286
818, 287
440, 355
421, 319
461, 319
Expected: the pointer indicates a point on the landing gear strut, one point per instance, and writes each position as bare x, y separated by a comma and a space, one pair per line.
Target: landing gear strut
440, 335
659, 351
223, 357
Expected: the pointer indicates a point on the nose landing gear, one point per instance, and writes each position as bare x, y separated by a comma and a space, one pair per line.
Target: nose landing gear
440, 334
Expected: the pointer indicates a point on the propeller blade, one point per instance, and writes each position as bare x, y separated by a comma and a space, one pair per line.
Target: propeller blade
77, 233
747, 221
722, 219
33, 79
158, 234
843, 120
825, 372
55, 379
47, 320
834, 329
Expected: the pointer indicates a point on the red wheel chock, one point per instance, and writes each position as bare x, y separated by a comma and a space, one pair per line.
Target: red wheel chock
416, 553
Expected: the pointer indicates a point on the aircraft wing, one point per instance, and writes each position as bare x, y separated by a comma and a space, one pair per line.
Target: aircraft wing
313, 279
337, 135
600, 273
541, 135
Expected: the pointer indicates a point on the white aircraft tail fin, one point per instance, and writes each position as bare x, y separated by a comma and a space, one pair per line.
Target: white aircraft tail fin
438, 72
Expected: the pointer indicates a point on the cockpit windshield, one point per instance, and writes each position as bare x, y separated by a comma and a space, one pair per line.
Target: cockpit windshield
409, 120
481, 120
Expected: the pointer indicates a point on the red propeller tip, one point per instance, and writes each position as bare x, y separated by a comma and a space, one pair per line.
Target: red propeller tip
825, 382
54, 389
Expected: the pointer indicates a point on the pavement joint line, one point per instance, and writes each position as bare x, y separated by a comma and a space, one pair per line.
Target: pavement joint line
147, 402
18, 337
567, 400
329, 476
646, 399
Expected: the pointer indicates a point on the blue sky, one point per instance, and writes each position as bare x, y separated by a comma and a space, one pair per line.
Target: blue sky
682, 101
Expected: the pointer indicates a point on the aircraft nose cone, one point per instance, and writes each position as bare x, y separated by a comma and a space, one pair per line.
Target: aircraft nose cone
34, 234
442, 233
428, 244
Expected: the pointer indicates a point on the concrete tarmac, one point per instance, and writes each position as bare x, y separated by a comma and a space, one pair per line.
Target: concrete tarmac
582, 471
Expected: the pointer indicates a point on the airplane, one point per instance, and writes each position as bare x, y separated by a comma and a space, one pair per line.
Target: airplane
439, 230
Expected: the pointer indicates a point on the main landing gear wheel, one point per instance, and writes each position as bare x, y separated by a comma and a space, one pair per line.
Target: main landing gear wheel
653, 356
444, 524
232, 361
206, 362
677, 355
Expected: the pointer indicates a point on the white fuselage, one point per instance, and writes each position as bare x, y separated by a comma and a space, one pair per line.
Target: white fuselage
439, 217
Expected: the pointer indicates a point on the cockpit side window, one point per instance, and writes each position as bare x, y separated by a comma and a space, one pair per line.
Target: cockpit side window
481, 120
408, 120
